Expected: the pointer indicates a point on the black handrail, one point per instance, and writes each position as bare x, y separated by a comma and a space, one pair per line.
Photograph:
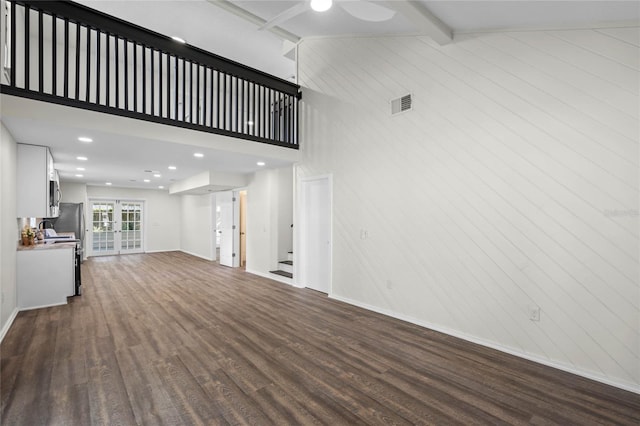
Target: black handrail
116, 67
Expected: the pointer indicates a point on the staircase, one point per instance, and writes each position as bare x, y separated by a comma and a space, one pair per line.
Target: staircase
285, 267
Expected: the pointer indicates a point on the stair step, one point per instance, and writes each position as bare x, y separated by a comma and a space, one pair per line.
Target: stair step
286, 265
282, 273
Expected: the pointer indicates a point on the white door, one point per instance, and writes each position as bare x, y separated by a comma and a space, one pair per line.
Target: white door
102, 232
116, 227
315, 238
227, 229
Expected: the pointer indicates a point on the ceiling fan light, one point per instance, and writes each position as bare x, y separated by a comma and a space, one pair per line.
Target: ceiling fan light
321, 5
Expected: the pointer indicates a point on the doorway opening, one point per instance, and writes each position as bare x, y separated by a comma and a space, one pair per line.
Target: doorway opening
243, 228
231, 227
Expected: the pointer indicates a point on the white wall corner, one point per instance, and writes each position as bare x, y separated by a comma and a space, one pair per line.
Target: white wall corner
8, 324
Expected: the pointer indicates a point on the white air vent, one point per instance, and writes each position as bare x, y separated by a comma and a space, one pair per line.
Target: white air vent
401, 104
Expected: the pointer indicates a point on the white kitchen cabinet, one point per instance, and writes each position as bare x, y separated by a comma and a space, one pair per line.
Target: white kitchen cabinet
38, 185
45, 276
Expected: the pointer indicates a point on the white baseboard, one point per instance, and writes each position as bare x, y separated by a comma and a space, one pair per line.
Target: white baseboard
31, 308
197, 255
8, 324
274, 277
550, 363
161, 251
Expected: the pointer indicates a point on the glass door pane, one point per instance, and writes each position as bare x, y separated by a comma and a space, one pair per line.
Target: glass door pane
103, 228
131, 222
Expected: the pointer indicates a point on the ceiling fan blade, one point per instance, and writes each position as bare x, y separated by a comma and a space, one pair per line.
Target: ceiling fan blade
367, 11
285, 15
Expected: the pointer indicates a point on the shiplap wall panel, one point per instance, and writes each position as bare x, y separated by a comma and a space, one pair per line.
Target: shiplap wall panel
512, 183
628, 35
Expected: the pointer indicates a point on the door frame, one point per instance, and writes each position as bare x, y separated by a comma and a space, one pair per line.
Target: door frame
301, 231
89, 223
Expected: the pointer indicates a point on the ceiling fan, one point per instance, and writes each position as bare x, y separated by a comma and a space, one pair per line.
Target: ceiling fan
362, 9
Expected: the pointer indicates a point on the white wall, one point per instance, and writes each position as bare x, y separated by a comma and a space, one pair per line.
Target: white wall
8, 229
198, 229
513, 183
73, 192
162, 229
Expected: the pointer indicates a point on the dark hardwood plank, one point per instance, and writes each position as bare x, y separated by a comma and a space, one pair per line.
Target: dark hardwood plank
167, 338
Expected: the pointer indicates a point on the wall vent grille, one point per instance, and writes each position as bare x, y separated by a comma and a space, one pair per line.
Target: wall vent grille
401, 104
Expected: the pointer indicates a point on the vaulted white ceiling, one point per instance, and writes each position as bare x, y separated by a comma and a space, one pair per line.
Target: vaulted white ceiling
231, 28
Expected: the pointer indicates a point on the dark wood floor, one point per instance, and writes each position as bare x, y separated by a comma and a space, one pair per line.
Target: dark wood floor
171, 339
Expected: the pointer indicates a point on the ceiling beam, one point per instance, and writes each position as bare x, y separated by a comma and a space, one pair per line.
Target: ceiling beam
245, 14
426, 22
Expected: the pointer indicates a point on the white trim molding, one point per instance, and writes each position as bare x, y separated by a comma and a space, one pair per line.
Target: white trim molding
8, 324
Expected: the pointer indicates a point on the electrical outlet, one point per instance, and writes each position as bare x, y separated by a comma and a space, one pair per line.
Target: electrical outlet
534, 313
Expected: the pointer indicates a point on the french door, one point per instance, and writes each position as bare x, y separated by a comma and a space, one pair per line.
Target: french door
116, 227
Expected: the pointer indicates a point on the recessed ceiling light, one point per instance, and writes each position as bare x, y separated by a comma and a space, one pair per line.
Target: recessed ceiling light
147, 180
85, 139
82, 158
157, 175
80, 169
161, 187
261, 163
78, 175
249, 123
172, 167
178, 39
108, 183
321, 5
198, 155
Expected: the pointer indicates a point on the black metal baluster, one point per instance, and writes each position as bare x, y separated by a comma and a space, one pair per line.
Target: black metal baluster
255, 110
218, 111
54, 54
236, 97
198, 94
107, 71
88, 94
184, 90
263, 119
175, 89
77, 82
270, 124
168, 56
98, 65
40, 52
224, 102
212, 97
153, 85
126, 73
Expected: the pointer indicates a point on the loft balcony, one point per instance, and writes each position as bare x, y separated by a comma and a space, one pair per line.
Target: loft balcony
65, 53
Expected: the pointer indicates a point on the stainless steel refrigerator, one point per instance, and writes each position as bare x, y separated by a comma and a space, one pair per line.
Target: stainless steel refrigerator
71, 219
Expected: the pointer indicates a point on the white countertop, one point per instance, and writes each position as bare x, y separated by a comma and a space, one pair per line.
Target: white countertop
50, 245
